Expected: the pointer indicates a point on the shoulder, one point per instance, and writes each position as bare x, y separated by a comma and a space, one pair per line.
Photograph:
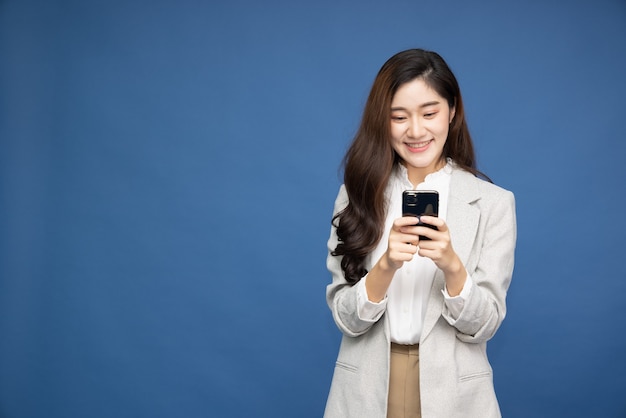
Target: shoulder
341, 201
468, 187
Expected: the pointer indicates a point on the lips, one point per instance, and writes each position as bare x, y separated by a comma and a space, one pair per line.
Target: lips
418, 146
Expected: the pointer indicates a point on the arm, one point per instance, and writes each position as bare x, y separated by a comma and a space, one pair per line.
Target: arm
485, 307
347, 302
340, 295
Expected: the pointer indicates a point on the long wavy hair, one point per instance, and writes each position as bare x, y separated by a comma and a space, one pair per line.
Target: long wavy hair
370, 159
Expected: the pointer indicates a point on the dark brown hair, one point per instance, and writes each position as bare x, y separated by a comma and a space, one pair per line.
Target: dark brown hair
369, 162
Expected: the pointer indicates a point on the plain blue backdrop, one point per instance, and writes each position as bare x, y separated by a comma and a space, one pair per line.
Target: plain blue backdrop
167, 176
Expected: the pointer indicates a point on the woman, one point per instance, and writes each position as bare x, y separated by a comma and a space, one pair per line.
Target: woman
416, 314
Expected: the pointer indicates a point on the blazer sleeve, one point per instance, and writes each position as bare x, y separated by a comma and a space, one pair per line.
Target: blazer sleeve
340, 295
485, 308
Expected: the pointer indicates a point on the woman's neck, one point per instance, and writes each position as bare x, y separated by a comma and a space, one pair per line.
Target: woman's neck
417, 175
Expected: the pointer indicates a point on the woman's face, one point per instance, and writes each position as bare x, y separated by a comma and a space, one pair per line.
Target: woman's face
420, 120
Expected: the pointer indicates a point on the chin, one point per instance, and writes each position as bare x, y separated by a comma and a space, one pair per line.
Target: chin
422, 163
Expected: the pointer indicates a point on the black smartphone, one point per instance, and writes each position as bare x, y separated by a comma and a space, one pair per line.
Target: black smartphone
420, 202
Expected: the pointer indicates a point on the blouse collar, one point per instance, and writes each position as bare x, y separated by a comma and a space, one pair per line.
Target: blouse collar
442, 174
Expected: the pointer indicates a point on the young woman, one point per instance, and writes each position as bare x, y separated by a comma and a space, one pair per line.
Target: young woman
416, 314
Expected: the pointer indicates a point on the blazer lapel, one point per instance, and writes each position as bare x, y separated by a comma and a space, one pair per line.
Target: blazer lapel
462, 218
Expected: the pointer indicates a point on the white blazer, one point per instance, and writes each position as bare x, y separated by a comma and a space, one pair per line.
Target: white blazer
455, 374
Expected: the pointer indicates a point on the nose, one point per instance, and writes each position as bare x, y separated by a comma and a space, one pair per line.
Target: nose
415, 128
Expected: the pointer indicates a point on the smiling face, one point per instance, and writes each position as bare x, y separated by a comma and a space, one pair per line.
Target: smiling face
420, 120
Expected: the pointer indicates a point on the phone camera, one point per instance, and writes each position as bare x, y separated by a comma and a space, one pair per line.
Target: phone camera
411, 199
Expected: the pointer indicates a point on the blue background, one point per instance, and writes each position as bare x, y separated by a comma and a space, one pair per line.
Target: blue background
168, 171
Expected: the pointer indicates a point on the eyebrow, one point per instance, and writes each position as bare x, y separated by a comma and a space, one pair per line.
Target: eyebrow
423, 105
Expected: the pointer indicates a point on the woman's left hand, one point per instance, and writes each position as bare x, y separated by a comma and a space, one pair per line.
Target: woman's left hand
439, 249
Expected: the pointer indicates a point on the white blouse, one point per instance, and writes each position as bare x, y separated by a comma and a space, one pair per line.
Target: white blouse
407, 296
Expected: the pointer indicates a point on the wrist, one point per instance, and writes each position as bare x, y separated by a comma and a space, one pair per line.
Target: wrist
455, 276
455, 268
386, 265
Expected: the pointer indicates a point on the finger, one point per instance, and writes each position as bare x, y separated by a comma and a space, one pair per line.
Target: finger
405, 221
402, 236
405, 243
403, 252
411, 249
433, 245
435, 221
431, 234
428, 253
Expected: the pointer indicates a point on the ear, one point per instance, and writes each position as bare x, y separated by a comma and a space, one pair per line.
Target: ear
452, 113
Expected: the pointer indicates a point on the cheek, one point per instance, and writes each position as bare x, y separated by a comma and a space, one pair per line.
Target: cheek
396, 131
443, 129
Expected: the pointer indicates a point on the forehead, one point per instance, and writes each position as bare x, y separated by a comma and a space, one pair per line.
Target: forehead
415, 92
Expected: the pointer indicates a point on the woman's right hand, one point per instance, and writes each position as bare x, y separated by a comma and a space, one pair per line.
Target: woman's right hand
403, 242
402, 246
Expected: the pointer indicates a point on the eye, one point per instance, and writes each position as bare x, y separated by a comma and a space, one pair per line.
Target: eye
398, 118
430, 115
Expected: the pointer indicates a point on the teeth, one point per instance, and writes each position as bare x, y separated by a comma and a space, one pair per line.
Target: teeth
418, 144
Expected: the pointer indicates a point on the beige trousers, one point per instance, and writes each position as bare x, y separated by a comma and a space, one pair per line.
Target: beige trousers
404, 382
